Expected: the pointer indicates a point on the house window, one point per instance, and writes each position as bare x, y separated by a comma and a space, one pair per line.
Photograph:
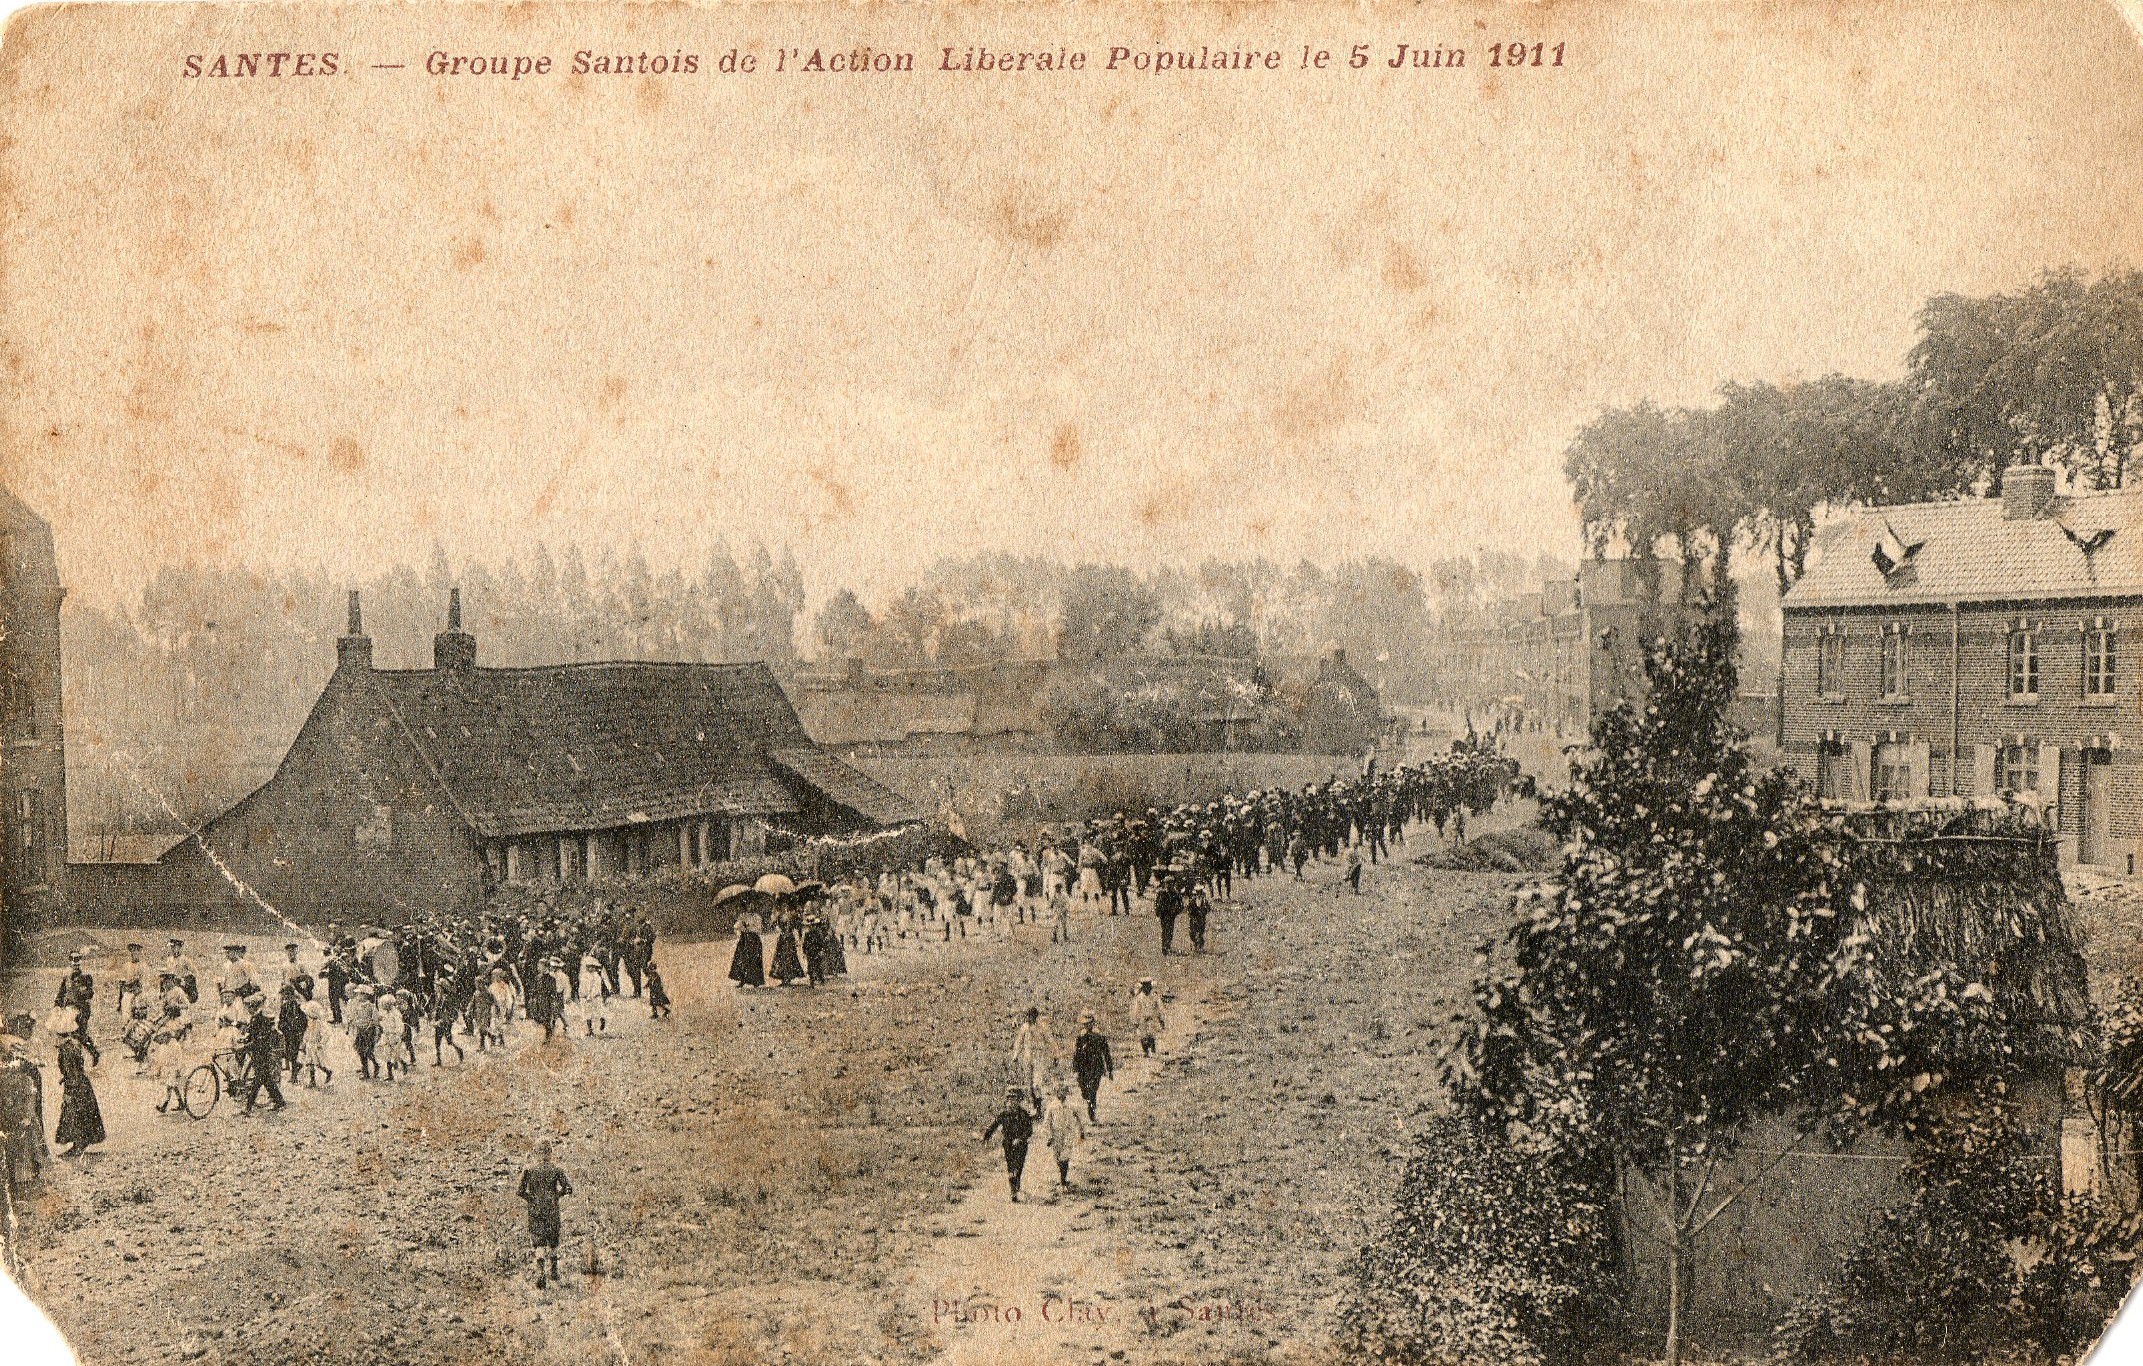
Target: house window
2098, 662
1830, 664
28, 811
2016, 769
1891, 773
2023, 664
1834, 778
1893, 660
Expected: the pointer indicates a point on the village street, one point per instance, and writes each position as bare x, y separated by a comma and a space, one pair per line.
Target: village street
798, 1175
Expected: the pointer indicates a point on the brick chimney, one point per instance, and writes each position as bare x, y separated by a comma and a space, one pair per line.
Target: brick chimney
2027, 491
454, 649
354, 650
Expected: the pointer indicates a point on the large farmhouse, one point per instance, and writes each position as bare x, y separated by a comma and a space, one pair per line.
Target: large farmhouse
416, 789
1977, 647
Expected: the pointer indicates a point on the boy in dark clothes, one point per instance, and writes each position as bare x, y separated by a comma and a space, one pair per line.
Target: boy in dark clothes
1018, 1127
658, 996
1091, 1061
543, 1186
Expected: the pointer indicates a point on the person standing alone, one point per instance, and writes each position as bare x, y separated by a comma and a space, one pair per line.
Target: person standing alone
543, 1186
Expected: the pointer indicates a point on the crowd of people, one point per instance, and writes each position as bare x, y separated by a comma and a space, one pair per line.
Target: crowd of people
360, 1004
367, 1002
1179, 862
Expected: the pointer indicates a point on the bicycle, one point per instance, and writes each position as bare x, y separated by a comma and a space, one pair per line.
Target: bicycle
226, 1071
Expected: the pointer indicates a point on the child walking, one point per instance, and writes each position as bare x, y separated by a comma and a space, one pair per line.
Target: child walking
543, 1186
1146, 1015
1017, 1126
658, 995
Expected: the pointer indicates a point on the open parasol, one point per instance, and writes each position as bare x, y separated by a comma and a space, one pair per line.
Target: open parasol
774, 884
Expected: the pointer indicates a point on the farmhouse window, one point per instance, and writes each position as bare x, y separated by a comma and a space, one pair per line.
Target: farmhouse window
2016, 769
1830, 663
2098, 662
1894, 676
2023, 664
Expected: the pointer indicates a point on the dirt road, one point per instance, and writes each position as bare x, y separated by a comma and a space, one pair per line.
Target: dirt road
789, 1175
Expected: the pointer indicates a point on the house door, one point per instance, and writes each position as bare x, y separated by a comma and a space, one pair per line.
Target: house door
2096, 843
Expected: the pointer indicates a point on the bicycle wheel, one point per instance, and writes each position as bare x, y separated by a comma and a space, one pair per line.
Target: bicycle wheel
204, 1087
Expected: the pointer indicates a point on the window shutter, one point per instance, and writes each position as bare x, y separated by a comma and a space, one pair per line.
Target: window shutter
2050, 783
1982, 771
1862, 775
1919, 758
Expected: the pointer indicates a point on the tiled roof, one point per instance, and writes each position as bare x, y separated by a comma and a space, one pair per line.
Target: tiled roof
1968, 552
594, 746
846, 787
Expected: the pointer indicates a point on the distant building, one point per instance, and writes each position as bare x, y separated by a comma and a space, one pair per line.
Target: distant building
1316, 703
33, 766
1975, 647
1568, 652
419, 789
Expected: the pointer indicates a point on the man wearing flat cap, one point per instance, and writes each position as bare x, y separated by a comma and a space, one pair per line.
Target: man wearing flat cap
180, 969
237, 972
263, 1044
133, 981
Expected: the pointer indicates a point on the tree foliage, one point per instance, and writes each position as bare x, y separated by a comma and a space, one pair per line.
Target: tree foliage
2050, 373
1701, 961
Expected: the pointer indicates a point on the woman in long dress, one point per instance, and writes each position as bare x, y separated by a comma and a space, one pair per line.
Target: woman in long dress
788, 962
81, 1123
747, 966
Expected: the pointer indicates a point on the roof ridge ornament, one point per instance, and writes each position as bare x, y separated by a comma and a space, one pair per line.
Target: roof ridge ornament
1892, 552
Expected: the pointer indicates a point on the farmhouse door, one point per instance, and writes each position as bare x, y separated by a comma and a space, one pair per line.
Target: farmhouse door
2096, 845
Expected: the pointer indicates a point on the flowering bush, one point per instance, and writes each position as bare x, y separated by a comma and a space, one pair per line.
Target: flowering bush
1499, 1250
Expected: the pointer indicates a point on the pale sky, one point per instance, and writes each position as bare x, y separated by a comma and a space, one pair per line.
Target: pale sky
883, 319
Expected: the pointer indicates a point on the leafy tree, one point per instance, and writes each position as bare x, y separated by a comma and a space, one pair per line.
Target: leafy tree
1497, 1251
1792, 451
844, 626
1698, 964
1107, 612
2053, 372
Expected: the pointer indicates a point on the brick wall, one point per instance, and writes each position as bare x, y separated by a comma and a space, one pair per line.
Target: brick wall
2061, 717
352, 828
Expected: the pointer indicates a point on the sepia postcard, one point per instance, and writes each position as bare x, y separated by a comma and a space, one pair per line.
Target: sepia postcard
1111, 683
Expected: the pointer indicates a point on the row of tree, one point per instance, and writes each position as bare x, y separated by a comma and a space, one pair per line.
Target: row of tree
2052, 373
989, 608
194, 691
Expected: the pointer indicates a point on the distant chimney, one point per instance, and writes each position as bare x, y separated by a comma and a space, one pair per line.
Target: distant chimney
2027, 490
354, 650
453, 648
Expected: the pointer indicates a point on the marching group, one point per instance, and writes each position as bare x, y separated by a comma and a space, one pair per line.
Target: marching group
352, 1003
366, 1001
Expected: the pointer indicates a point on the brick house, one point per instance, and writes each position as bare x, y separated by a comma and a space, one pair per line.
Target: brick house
413, 789
1977, 647
33, 768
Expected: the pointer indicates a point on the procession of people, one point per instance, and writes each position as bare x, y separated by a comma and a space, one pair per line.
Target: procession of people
353, 1005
